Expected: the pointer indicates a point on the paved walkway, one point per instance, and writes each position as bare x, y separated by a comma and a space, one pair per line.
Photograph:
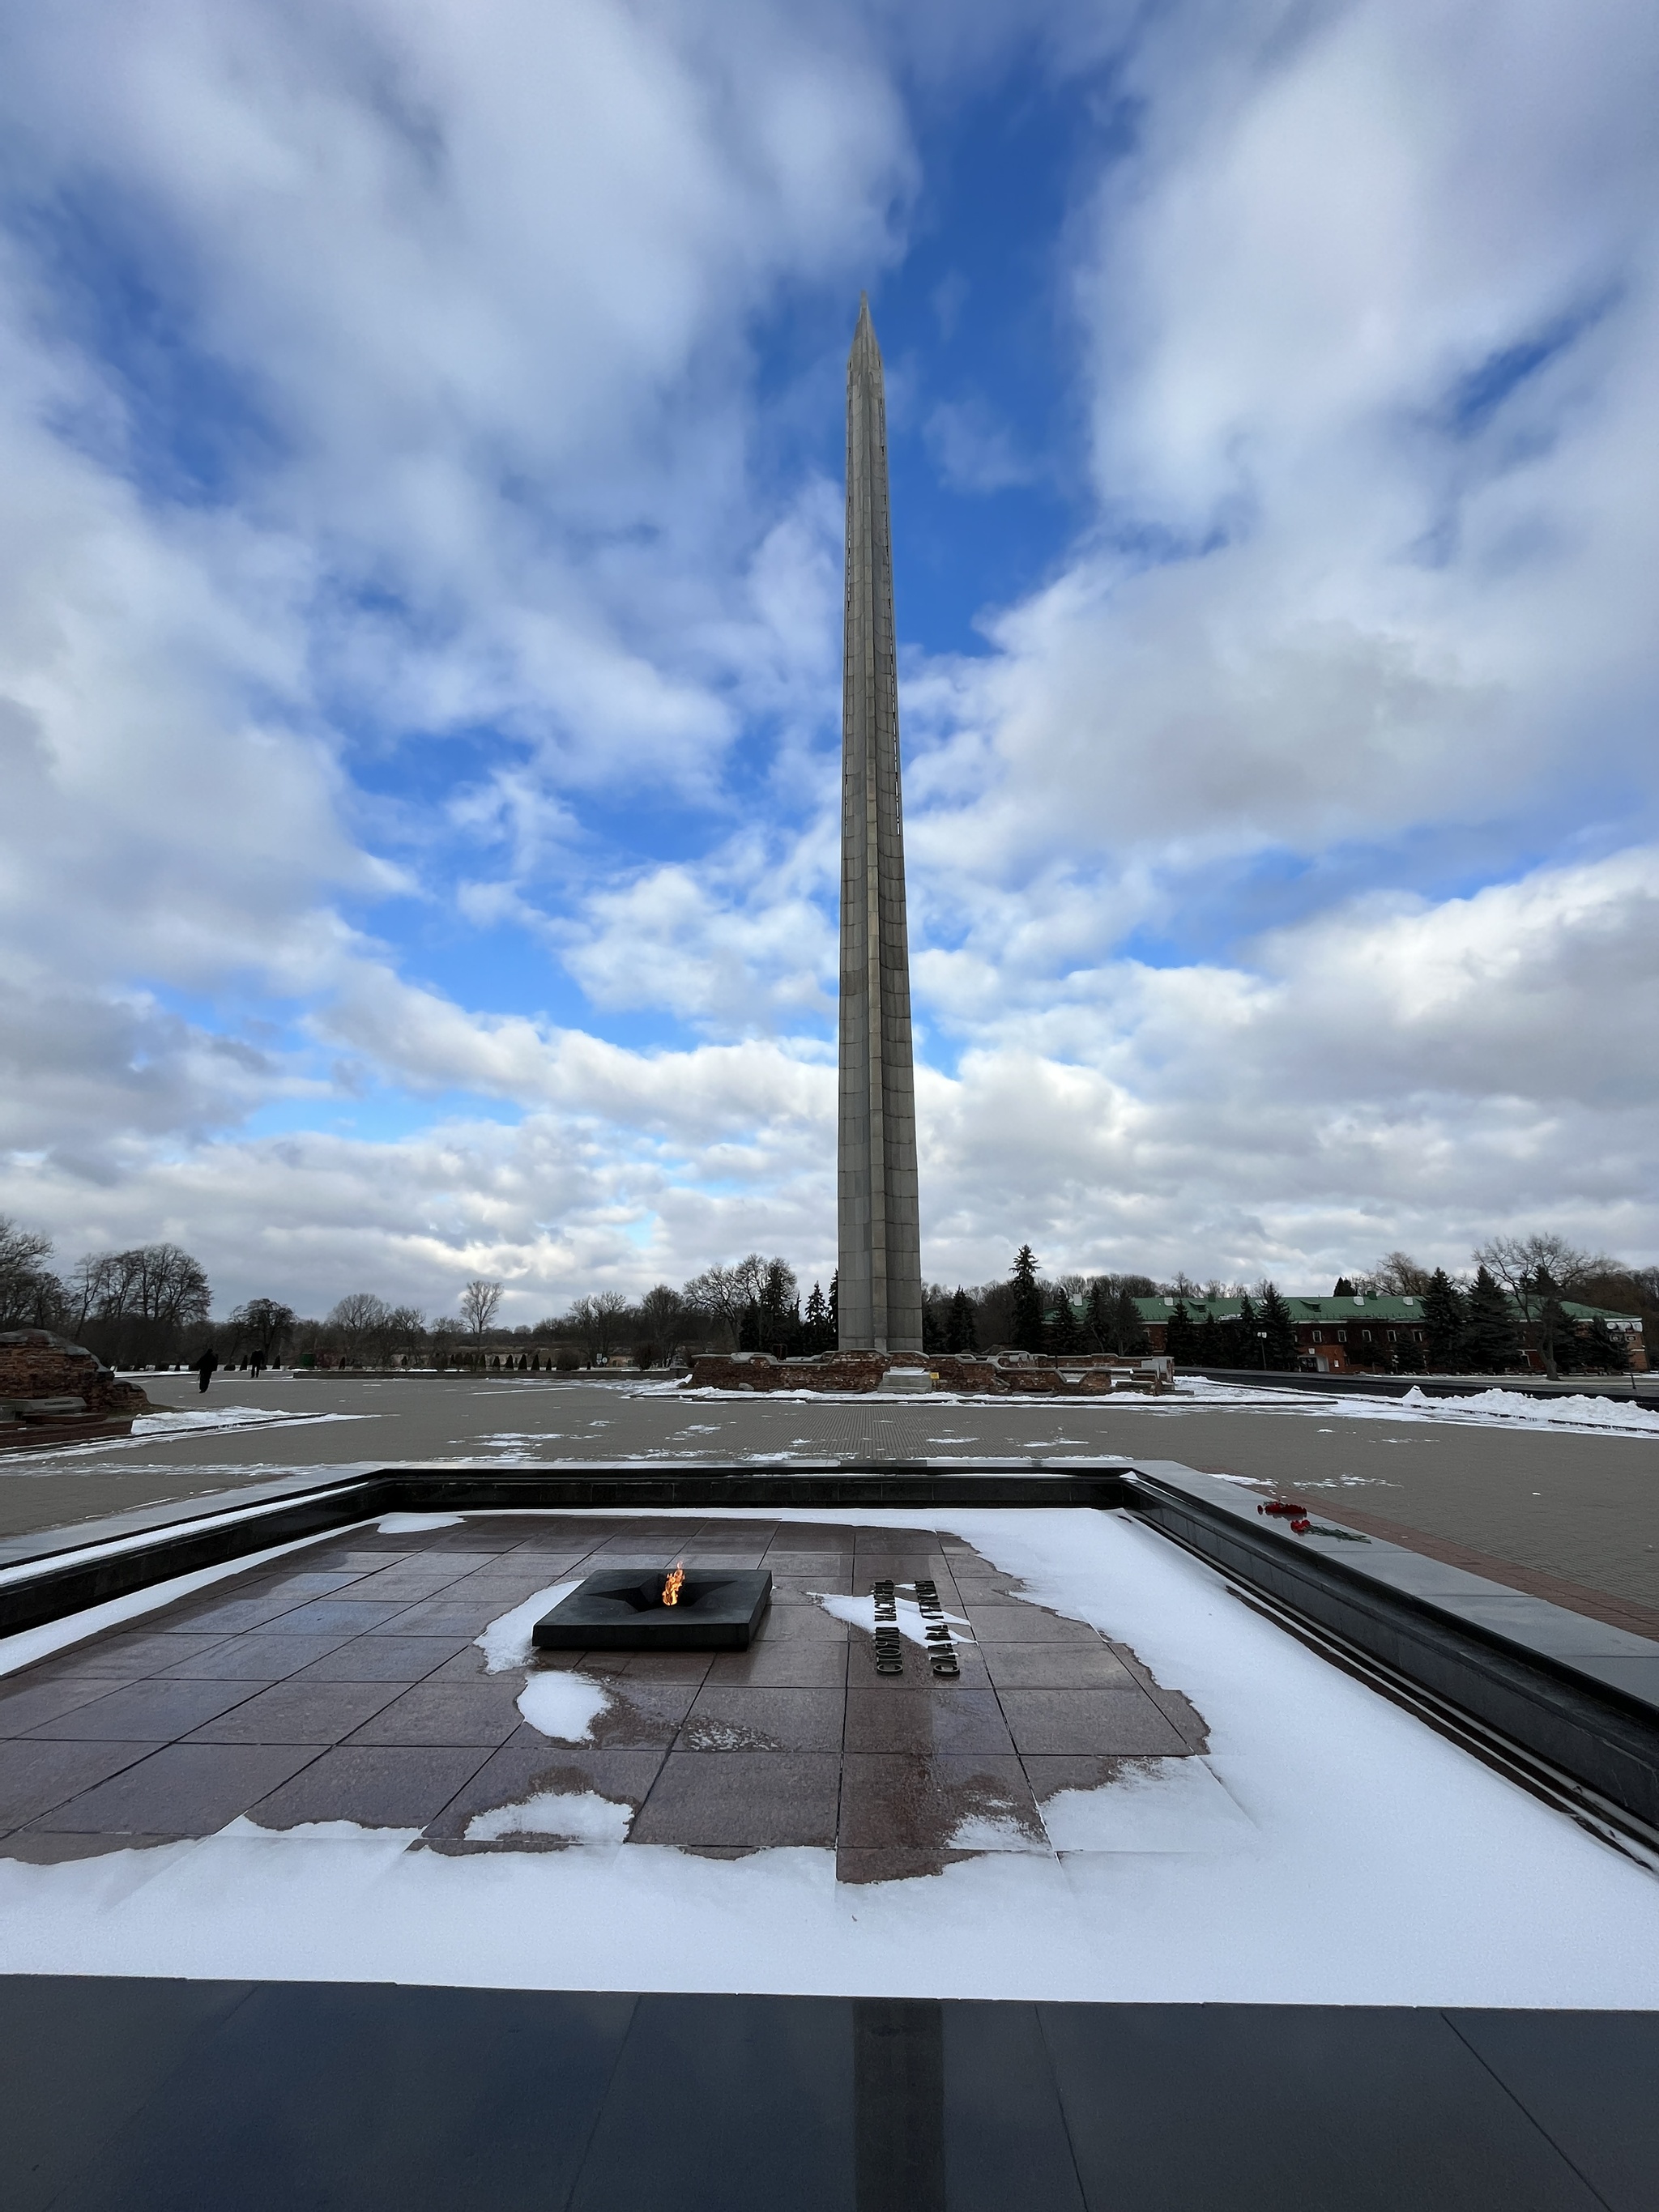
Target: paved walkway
1573, 1517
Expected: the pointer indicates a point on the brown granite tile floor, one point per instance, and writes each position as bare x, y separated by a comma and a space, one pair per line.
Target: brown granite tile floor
347, 1685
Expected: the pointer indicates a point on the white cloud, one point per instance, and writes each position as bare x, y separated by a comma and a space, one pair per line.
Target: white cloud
1368, 309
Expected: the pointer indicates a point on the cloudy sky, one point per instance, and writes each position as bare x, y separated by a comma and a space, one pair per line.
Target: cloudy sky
421, 435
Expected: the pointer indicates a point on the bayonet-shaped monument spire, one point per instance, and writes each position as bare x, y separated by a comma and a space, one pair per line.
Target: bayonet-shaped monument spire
880, 1227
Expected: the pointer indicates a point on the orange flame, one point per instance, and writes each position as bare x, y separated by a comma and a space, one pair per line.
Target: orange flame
671, 1587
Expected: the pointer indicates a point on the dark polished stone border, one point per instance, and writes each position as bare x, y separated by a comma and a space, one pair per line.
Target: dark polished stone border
142, 2094
49, 1575
1574, 1694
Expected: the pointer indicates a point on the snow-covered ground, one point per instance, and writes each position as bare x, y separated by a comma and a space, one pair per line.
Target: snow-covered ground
157, 1428
1329, 1849
1494, 1408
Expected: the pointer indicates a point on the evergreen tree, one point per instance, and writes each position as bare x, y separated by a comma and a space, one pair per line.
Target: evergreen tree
1027, 1301
835, 1310
1129, 1331
1556, 1337
816, 1327
1100, 1321
1601, 1351
1212, 1349
1491, 1342
960, 1335
1407, 1357
1442, 1322
1281, 1329
1344, 1289
933, 1336
1064, 1334
1247, 1349
1180, 1337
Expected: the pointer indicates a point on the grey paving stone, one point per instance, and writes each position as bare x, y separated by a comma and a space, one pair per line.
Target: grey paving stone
300, 1712
45, 1847
785, 1623
133, 1654
36, 1699
861, 1664
642, 1713
691, 1667
384, 1659
337, 1616
1026, 1624
888, 1717
36, 1776
378, 1786
461, 1713
147, 1712
729, 1717
182, 1790
1056, 1667
519, 1771
749, 1800
257, 1657
802, 1660
890, 1800
1120, 1723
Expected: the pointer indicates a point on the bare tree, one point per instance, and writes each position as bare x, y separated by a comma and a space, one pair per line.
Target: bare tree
142, 1300
262, 1328
610, 1309
480, 1301
1396, 1275
31, 1297
357, 1324
662, 1310
403, 1330
719, 1296
1538, 1271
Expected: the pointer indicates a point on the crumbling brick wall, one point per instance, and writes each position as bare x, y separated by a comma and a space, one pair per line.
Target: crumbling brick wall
34, 1363
982, 1375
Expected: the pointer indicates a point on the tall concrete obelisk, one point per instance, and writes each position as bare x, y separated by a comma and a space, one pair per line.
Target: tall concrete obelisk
879, 1226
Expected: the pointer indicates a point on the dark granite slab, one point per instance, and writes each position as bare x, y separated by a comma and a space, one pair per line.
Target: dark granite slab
717, 1609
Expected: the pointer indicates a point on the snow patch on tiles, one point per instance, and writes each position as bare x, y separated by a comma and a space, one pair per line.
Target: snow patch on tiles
986, 1832
506, 1642
579, 1816
860, 1612
417, 1524
563, 1704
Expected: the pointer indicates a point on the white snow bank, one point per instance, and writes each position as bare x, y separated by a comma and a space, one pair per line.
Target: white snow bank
1577, 1412
1494, 1408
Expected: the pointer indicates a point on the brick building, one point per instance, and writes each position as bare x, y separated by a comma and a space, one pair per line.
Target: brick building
1333, 1334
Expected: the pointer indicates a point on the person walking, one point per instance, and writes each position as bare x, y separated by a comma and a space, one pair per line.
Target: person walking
206, 1366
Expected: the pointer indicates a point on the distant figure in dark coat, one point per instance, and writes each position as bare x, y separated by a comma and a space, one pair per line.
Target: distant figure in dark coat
205, 1365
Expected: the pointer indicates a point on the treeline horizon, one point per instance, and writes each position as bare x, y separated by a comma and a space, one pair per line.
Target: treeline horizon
151, 1305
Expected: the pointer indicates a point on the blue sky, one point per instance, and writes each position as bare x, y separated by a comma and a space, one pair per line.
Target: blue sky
419, 635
